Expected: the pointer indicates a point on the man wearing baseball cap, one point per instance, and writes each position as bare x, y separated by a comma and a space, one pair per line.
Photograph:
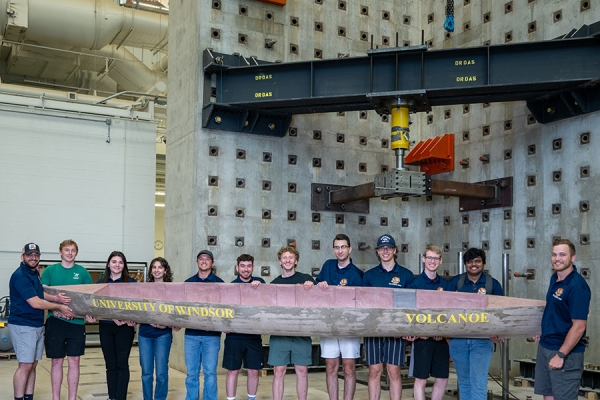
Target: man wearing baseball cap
388, 350
202, 347
26, 319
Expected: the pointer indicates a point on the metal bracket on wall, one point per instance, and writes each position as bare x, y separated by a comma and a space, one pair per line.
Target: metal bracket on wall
245, 120
320, 200
503, 197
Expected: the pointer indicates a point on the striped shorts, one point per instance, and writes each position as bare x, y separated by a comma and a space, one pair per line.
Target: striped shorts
389, 350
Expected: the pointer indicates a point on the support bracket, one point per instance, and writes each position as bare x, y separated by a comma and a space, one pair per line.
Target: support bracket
321, 200
503, 197
245, 120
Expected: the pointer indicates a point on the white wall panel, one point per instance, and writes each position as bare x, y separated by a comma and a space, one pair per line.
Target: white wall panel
60, 179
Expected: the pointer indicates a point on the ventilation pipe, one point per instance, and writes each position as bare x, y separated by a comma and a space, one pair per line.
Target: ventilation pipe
98, 27
89, 24
133, 76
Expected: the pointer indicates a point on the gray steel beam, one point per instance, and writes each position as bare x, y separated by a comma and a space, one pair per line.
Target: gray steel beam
498, 73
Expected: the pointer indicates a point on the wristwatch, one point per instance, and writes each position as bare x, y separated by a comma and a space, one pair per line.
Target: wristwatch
560, 354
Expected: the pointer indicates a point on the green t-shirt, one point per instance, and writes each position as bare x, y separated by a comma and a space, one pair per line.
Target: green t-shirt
57, 275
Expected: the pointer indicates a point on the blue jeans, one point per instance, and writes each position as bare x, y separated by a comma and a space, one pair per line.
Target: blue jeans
201, 351
155, 351
472, 359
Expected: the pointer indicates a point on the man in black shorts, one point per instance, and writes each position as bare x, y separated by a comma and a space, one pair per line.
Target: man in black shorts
65, 337
430, 354
242, 346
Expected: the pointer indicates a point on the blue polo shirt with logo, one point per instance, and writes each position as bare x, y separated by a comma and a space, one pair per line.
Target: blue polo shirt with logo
331, 273
566, 300
424, 282
25, 284
211, 278
476, 287
398, 277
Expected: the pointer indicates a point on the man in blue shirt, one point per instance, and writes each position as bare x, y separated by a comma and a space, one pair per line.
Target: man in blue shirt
472, 357
26, 318
202, 347
389, 350
430, 355
241, 346
340, 272
559, 362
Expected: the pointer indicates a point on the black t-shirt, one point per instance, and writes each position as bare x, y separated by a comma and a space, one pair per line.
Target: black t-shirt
298, 277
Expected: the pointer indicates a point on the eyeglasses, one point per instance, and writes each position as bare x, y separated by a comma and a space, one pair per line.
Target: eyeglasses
385, 249
433, 258
342, 247
33, 255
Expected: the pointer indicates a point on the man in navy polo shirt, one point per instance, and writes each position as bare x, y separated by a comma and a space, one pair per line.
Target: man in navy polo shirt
26, 319
389, 350
242, 346
472, 357
559, 362
340, 272
202, 347
430, 355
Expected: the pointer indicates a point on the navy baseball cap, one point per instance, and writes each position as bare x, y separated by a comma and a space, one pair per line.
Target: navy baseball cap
31, 248
207, 252
386, 240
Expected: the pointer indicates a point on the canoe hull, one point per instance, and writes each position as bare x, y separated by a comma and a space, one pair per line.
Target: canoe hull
430, 314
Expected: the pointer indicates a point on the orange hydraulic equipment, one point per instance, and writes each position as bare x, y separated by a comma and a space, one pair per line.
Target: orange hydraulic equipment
276, 2
434, 156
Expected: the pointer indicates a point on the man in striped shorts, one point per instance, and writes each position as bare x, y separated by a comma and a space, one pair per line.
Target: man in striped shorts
388, 350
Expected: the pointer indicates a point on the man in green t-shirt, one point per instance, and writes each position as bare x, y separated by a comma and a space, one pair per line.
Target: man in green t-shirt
65, 337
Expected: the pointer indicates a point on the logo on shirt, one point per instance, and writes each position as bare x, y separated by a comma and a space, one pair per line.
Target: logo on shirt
395, 281
558, 293
481, 291
343, 282
76, 275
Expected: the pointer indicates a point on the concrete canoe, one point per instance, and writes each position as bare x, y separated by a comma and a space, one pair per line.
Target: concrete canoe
294, 311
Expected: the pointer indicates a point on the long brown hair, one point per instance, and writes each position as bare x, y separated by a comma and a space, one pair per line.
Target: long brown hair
124, 273
165, 264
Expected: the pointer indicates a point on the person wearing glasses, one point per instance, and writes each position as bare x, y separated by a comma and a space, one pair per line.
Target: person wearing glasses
26, 319
340, 271
388, 350
471, 356
430, 354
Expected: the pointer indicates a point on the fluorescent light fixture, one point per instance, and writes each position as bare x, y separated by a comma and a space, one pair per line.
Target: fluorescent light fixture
159, 204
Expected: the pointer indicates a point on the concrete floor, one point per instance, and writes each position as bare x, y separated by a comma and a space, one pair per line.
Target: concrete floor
92, 384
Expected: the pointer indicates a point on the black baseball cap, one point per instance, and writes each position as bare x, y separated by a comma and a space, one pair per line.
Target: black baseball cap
207, 252
31, 248
386, 240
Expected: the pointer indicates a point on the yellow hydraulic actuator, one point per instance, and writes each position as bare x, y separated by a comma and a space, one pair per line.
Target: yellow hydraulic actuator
400, 137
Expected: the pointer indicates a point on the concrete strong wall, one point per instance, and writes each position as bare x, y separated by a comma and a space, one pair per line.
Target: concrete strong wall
221, 25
